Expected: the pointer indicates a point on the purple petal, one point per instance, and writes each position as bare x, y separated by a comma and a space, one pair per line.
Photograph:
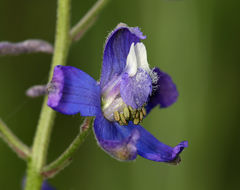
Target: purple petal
72, 91
165, 93
136, 90
116, 140
116, 50
124, 142
151, 148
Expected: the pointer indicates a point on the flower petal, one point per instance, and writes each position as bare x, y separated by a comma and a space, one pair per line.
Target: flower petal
152, 149
141, 54
72, 91
165, 93
131, 64
136, 90
116, 51
118, 141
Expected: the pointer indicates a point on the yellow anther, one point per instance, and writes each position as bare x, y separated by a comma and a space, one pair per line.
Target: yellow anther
137, 114
130, 108
126, 113
136, 121
144, 111
140, 116
116, 116
123, 119
130, 114
133, 111
120, 122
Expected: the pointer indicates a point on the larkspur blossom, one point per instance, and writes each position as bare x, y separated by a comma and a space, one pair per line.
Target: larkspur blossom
128, 90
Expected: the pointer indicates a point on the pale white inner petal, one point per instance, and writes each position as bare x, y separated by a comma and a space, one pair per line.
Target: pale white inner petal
141, 54
131, 65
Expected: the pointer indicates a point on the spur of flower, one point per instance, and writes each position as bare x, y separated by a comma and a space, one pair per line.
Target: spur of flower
128, 90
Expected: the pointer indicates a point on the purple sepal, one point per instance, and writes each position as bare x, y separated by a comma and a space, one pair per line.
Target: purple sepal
116, 140
136, 90
116, 50
152, 149
165, 92
125, 142
73, 91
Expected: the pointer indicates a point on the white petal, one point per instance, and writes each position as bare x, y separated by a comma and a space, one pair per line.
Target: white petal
131, 65
141, 54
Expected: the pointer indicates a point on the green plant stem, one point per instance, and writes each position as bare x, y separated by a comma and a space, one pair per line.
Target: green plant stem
63, 39
66, 157
13, 142
87, 21
44, 128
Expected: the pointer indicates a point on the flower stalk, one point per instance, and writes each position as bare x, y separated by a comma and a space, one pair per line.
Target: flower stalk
87, 21
63, 38
44, 128
66, 157
27, 46
13, 142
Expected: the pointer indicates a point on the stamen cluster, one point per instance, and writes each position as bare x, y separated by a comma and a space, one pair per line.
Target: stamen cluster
130, 114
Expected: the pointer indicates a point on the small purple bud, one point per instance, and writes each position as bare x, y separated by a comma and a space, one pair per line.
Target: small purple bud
36, 91
28, 46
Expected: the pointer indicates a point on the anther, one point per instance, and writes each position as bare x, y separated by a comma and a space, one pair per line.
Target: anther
130, 108
136, 121
120, 122
123, 119
133, 111
126, 113
137, 114
141, 116
144, 111
116, 116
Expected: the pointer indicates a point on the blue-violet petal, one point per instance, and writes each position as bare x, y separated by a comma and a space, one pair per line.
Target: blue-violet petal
152, 149
165, 92
116, 50
136, 90
73, 91
118, 141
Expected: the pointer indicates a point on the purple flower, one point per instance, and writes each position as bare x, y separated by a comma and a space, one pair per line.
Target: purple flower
127, 91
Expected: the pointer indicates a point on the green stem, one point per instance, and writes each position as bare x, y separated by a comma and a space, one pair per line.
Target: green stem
44, 128
13, 142
63, 160
87, 21
62, 43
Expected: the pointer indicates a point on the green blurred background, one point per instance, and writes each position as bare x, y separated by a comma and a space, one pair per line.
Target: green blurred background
196, 41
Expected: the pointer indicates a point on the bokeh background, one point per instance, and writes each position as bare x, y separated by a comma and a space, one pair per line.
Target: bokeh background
195, 41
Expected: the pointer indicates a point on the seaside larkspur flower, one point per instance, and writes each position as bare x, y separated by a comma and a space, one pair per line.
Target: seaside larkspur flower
128, 90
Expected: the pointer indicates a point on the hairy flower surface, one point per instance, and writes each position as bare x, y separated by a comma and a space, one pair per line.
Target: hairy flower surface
128, 90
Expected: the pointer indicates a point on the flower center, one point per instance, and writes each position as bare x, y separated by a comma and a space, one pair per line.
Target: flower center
130, 114
115, 105
125, 95
115, 109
